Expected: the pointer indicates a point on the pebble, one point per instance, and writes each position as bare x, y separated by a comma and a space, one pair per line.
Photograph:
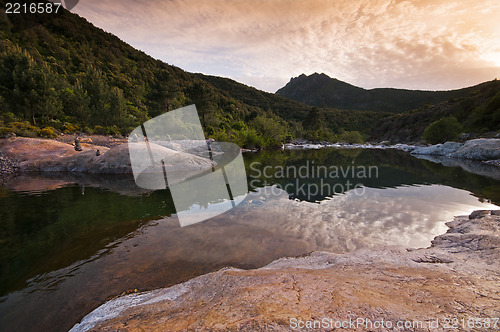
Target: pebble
8, 165
493, 162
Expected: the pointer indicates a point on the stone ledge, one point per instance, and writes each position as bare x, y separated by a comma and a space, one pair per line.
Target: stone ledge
458, 276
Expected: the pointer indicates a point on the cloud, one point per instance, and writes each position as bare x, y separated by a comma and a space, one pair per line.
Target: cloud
412, 44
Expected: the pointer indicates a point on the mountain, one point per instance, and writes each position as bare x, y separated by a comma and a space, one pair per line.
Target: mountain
323, 91
61, 74
299, 114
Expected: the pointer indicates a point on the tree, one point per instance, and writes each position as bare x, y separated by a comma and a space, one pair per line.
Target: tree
314, 119
76, 103
117, 107
442, 130
202, 98
351, 137
98, 91
163, 92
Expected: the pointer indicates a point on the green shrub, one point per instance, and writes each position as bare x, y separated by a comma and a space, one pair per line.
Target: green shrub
112, 130
98, 130
56, 124
222, 136
240, 125
351, 137
442, 130
24, 129
9, 117
6, 130
251, 139
70, 128
48, 132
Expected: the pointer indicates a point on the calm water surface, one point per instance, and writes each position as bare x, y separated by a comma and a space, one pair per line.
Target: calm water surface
68, 243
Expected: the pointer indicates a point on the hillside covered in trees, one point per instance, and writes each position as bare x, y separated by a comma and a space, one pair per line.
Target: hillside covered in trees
476, 112
60, 74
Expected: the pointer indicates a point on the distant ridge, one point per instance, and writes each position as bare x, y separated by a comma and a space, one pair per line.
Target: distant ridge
323, 91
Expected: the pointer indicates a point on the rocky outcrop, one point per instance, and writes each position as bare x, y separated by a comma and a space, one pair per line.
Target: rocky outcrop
444, 149
479, 149
457, 277
52, 156
476, 149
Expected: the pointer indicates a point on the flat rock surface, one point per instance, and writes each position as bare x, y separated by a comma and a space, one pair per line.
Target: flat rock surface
444, 149
477, 149
457, 277
47, 155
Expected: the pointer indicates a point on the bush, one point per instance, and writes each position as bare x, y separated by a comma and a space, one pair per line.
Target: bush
442, 130
6, 130
351, 137
24, 129
112, 130
48, 132
98, 130
70, 128
9, 117
319, 135
251, 139
222, 136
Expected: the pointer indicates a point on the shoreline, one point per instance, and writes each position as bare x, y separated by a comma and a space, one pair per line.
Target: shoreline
47, 155
457, 276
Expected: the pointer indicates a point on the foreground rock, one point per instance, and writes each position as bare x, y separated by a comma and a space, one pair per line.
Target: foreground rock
477, 149
457, 277
45, 155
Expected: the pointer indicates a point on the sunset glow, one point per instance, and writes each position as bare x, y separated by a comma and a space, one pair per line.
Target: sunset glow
418, 44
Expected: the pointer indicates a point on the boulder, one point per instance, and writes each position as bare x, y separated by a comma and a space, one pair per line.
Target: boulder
444, 149
479, 149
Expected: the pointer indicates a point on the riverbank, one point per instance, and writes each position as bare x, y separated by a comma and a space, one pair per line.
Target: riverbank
47, 155
457, 277
36, 154
482, 149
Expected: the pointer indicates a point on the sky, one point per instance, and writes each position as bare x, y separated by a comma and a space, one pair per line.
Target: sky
412, 44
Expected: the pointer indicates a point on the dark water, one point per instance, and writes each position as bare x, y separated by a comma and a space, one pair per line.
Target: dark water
68, 243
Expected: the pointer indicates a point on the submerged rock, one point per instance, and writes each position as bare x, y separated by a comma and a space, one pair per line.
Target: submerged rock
458, 276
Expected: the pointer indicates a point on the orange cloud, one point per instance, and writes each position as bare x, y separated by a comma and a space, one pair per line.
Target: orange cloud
423, 44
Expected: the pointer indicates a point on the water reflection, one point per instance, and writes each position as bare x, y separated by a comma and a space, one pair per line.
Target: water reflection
78, 249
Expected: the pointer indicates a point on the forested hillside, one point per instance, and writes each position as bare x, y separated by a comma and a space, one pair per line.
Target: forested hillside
477, 113
59, 73
315, 123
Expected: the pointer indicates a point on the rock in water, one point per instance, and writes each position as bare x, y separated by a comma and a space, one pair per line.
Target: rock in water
444, 149
479, 149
